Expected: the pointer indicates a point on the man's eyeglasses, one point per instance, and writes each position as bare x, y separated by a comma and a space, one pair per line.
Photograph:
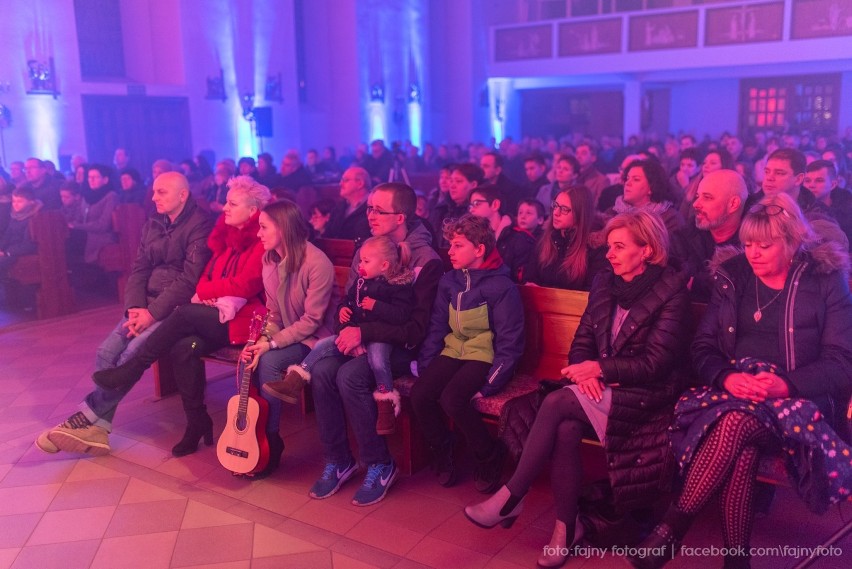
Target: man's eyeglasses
770, 210
371, 210
563, 209
475, 203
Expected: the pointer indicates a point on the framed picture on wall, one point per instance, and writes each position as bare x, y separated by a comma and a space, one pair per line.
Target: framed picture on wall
664, 31
528, 42
821, 19
745, 24
589, 38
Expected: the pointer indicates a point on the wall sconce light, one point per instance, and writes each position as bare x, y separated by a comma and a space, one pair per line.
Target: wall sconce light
414, 93
273, 89
216, 87
377, 93
498, 109
247, 103
42, 77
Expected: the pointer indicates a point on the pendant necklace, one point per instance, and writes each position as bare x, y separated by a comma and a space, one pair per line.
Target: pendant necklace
758, 314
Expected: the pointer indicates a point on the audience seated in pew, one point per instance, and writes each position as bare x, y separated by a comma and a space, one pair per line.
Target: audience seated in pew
172, 254
349, 215
475, 338
229, 290
626, 367
299, 280
764, 389
563, 256
463, 179
16, 239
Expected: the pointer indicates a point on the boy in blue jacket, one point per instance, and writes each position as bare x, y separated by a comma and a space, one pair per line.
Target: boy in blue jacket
476, 336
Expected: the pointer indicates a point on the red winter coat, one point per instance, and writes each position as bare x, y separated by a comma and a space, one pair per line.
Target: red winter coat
235, 270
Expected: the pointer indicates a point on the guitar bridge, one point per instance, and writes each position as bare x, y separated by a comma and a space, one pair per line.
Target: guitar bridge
236, 452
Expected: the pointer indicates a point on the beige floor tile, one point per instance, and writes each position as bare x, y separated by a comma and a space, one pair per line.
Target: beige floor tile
269, 543
199, 515
460, 531
322, 514
340, 561
213, 545
7, 557
89, 493
71, 525
151, 551
146, 517
15, 530
73, 555
91, 470
311, 560
26, 499
525, 547
313, 534
138, 491
365, 553
385, 535
414, 511
185, 468
30, 474
275, 498
246, 564
4, 470
145, 455
440, 554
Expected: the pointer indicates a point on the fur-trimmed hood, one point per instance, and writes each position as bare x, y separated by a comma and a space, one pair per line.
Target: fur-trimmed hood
826, 258
405, 277
226, 236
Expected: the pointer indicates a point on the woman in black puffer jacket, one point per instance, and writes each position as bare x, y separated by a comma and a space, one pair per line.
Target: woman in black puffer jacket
625, 369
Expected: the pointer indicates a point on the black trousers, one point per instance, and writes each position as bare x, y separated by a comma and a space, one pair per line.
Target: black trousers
448, 385
190, 332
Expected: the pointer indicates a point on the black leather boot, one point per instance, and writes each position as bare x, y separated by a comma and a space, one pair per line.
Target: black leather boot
199, 425
444, 462
664, 540
489, 470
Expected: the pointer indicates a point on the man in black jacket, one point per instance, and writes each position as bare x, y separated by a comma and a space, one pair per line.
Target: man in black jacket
349, 217
719, 208
171, 257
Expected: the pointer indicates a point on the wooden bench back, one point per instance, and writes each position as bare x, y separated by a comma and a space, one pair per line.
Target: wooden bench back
551, 319
48, 268
340, 251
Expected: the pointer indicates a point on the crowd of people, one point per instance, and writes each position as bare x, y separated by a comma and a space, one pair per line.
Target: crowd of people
760, 234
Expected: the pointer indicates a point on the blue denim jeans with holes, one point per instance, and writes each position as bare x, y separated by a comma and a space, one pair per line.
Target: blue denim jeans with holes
378, 356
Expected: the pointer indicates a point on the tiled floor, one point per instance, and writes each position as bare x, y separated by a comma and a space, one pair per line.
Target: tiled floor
140, 507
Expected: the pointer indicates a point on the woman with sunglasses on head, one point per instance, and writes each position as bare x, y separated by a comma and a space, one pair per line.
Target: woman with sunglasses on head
774, 351
563, 257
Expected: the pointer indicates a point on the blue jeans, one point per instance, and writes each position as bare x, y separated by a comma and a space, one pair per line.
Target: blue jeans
99, 405
343, 388
378, 356
270, 367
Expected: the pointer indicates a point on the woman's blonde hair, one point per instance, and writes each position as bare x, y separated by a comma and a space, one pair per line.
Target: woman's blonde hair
646, 229
256, 194
777, 218
291, 225
397, 256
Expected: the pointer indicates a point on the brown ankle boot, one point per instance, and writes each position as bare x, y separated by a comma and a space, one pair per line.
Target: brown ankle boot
289, 388
388, 404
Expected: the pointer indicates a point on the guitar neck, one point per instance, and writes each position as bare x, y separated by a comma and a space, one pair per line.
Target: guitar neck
245, 384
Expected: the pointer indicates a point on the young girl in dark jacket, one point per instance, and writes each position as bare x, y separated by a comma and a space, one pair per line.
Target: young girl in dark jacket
475, 339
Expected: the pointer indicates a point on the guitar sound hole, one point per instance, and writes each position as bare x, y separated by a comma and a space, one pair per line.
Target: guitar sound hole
242, 423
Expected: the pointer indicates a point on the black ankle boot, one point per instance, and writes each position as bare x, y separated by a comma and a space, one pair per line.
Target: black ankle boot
444, 463
489, 470
276, 449
127, 374
199, 425
664, 540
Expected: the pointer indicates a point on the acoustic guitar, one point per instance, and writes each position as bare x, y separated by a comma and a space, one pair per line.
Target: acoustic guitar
243, 448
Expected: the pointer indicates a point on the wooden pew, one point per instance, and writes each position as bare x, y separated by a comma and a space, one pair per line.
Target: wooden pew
48, 269
127, 222
340, 251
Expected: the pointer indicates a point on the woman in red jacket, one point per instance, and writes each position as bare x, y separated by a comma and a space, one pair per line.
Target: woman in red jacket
230, 289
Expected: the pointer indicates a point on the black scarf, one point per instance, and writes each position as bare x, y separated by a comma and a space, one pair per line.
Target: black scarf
627, 293
94, 196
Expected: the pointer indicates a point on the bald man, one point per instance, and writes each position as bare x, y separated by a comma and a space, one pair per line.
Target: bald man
349, 218
171, 257
719, 208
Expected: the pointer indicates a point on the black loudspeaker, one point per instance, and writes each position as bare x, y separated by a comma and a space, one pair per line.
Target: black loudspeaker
263, 121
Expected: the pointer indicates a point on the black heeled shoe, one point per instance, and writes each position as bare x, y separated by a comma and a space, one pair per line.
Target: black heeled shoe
662, 542
276, 449
198, 428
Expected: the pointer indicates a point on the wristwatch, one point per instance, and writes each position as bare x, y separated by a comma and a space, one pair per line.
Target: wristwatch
272, 344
